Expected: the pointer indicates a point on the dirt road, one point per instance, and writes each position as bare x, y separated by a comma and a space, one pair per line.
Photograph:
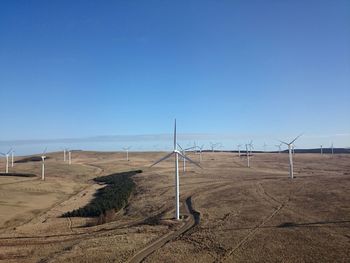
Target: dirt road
193, 218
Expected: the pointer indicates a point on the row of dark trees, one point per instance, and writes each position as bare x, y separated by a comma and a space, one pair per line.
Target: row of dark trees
113, 196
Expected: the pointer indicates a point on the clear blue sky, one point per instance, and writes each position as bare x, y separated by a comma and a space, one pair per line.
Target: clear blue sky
72, 69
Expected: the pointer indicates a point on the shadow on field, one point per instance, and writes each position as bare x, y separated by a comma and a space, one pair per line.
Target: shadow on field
312, 224
291, 225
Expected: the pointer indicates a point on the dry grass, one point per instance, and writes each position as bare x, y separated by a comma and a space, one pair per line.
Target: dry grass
247, 215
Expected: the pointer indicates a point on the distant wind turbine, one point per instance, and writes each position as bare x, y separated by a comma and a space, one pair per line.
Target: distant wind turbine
12, 157
279, 147
321, 149
290, 145
43, 164
126, 149
177, 153
239, 149
200, 153
183, 151
64, 154
7, 160
265, 146
332, 149
248, 155
251, 146
69, 157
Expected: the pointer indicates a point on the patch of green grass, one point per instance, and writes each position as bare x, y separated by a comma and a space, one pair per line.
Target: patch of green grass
114, 196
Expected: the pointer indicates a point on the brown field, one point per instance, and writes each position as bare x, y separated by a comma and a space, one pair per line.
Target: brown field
252, 214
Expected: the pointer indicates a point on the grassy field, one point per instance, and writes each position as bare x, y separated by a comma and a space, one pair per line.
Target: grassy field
247, 215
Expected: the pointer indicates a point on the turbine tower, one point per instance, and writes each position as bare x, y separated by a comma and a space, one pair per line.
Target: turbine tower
248, 155
239, 149
69, 157
176, 153
7, 160
183, 151
251, 146
12, 157
200, 153
321, 149
64, 155
290, 145
332, 149
265, 146
127, 152
212, 146
279, 147
43, 164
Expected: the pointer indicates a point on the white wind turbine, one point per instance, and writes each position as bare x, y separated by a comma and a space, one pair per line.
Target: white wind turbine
251, 146
265, 146
290, 146
239, 149
200, 152
332, 147
69, 156
43, 157
248, 155
7, 160
126, 149
279, 147
177, 153
64, 154
183, 151
293, 148
321, 149
213, 145
12, 157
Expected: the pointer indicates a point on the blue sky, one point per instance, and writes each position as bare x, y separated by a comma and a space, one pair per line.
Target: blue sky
77, 69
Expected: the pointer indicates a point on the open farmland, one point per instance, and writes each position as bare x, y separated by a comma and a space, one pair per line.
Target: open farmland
252, 214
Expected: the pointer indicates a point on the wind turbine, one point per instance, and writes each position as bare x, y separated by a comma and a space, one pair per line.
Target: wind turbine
212, 146
127, 152
251, 146
321, 149
177, 153
248, 155
183, 151
265, 146
239, 149
200, 152
69, 157
12, 157
43, 165
279, 147
293, 148
7, 160
290, 145
64, 154
332, 149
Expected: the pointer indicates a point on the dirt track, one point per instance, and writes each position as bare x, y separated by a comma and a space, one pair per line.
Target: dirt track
192, 219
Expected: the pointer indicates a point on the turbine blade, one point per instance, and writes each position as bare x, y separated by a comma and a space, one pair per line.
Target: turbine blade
180, 147
45, 151
190, 148
162, 159
296, 138
284, 142
190, 160
9, 151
